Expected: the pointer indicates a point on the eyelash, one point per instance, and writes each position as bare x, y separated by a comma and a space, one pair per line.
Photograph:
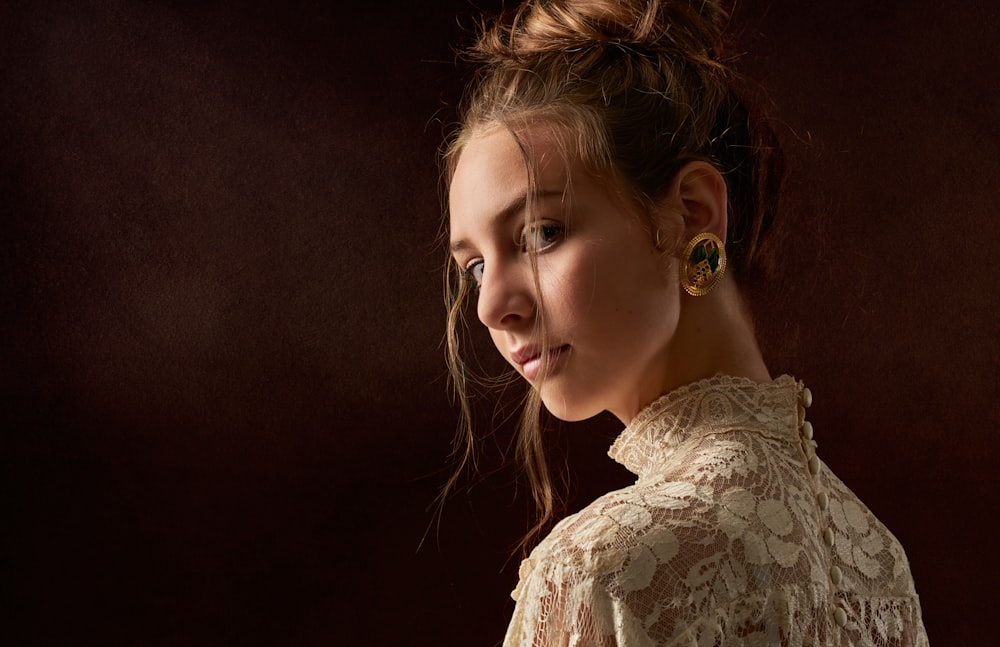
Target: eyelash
551, 232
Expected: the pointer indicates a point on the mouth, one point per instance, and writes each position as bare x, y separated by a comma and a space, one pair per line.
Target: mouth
530, 359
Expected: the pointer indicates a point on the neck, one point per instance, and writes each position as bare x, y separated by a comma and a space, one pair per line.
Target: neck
714, 336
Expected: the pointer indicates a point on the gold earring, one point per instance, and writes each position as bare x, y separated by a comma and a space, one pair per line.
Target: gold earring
702, 264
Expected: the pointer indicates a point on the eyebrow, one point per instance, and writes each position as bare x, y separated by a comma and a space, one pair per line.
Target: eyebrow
514, 207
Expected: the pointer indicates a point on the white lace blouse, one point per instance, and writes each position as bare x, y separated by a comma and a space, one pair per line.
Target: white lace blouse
735, 533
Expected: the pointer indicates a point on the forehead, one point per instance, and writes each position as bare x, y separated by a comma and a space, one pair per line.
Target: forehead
494, 170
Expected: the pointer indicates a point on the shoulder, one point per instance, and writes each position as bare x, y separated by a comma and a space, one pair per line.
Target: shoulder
868, 554
624, 535
619, 566
703, 488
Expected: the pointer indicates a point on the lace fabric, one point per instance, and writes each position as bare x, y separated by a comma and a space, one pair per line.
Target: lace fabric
734, 534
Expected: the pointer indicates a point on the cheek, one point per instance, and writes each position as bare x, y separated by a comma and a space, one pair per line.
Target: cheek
569, 288
498, 341
634, 302
629, 281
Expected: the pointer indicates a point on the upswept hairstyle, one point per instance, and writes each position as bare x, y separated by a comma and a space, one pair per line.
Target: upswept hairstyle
638, 89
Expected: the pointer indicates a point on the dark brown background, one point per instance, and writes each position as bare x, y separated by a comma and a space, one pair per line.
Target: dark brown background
224, 410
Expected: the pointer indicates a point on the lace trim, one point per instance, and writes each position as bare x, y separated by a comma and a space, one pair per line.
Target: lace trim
710, 406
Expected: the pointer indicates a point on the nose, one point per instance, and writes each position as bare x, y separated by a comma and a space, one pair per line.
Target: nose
506, 295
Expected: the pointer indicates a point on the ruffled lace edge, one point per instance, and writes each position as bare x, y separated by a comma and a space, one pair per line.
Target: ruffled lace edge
656, 409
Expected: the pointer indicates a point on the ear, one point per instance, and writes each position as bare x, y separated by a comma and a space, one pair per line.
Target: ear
699, 192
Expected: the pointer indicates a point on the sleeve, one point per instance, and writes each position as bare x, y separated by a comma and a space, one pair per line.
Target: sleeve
560, 605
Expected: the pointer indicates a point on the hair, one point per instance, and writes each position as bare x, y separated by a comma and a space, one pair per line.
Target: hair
637, 89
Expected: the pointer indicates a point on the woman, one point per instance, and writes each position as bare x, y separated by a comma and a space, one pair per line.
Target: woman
608, 192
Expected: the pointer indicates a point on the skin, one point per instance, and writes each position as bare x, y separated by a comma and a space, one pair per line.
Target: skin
619, 329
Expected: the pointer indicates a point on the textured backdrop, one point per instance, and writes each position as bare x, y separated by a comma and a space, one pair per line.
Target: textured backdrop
224, 412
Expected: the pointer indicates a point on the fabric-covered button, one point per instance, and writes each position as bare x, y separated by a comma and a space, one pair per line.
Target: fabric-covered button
823, 499
806, 397
807, 430
828, 537
840, 616
814, 465
836, 576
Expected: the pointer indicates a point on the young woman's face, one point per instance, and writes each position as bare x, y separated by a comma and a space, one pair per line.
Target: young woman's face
610, 298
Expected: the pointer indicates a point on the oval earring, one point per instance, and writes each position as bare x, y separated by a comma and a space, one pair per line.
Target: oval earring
702, 264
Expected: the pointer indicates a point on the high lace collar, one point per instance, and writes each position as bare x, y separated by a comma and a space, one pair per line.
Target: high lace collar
710, 406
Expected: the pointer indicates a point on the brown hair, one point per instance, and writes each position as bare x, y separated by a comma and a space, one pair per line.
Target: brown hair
642, 88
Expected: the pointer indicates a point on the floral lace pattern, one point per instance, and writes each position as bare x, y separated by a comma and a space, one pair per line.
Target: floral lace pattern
734, 534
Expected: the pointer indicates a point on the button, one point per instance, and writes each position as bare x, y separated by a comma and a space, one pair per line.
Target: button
840, 617
802, 414
806, 397
814, 465
823, 500
807, 430
836, 576
828, 537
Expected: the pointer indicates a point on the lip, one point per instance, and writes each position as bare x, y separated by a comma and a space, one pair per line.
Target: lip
529, 358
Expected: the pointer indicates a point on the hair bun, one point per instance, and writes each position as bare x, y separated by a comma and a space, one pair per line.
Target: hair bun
542, 26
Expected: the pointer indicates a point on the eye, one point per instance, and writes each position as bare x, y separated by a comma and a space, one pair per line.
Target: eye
473, 273
540, 236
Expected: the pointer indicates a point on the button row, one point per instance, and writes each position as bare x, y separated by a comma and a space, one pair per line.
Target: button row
822, 498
